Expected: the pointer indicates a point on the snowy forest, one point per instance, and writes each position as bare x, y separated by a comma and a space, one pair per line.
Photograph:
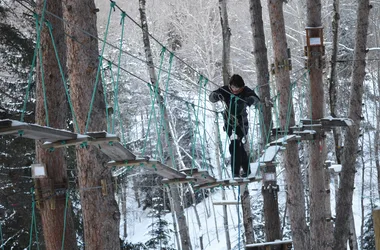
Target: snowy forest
109, 140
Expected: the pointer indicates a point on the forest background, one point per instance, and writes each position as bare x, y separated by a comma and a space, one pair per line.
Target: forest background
192, 30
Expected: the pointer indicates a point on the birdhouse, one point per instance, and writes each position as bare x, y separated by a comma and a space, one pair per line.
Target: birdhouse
314, 43
39, 171
314, 36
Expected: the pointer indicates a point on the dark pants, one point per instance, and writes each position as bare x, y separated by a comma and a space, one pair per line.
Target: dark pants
239, 157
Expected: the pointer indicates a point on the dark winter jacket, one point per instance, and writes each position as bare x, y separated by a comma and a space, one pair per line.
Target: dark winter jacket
246, 97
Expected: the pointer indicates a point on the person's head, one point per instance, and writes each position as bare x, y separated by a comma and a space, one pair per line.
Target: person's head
236, 84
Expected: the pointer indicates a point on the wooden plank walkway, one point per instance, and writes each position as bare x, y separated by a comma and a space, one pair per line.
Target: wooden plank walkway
109, 144
34, 131
200, 176
150, 165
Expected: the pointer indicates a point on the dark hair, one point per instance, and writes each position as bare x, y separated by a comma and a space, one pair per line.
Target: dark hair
237, 80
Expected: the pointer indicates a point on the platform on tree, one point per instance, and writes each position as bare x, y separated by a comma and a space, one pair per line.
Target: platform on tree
34, 131
110, 145
269, 154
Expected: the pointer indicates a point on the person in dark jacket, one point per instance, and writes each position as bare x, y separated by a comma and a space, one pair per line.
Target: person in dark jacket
236, 97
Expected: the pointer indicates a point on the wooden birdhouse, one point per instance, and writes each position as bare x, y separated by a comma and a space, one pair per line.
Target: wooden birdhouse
314, 38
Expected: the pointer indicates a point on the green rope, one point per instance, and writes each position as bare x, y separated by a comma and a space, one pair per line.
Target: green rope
33, 223
156, 95
204, 126
196, 118
105, 96
1, 235
235, 121
162, 112
38, 40
116, 90
149, 122
222, 151
99, 66
290, 106
48, 24
43, 84
192, 144
153, 110
65, 220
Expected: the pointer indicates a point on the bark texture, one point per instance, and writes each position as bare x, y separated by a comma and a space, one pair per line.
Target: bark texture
52, 209
318, 211
226, 33
100, 213
271, 212
293, 176
342, 225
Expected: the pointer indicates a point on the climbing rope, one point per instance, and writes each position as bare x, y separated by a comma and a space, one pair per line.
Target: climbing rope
112, 7
36, 49
65, 219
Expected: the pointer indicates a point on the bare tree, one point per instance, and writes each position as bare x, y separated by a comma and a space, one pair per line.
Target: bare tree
50, 89
271, 212
168, 143
100, 212
342, 225
293, 176
226, 34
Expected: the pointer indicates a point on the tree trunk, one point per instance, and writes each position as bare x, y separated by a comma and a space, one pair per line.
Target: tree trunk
52, 210
271, 212
218, 144
226, 72
167, 144
100, 213
342, 225
334, 80
247, 215
293, 176
226, 38
329, 230
124, 209
316, 175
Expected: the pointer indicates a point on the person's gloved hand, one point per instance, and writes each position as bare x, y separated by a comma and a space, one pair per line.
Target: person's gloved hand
214, 97
252, 100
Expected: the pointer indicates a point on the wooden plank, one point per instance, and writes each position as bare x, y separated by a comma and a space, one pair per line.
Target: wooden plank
178, 180
116, 151
150, 165
215, 203
269, 154
284, 244
310, 122
63, 143
228, 182
283, 140
306, 134
34, 131
200, 176
336, 122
